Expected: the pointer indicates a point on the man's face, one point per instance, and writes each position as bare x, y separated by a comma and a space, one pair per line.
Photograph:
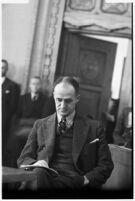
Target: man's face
4, 69
65, 99
35, 85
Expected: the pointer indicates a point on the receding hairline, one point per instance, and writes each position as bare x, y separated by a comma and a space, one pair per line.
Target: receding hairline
64, 83
67, 80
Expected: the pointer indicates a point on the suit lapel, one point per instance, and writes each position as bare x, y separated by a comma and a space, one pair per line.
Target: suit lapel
80, 133
4, 85
49, 131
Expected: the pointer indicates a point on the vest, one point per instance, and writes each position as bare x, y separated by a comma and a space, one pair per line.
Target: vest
62, 159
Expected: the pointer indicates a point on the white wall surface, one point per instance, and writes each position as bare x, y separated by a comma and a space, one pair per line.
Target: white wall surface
18, 21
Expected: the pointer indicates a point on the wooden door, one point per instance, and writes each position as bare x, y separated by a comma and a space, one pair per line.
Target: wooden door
92, 61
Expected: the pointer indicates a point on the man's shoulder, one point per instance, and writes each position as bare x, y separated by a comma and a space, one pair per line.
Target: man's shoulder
8, 82
87, 119
25, 96
89, 124
45, 120
12, 83
42, 95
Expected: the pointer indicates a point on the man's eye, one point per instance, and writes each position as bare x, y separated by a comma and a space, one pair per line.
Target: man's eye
59, 99
68, 101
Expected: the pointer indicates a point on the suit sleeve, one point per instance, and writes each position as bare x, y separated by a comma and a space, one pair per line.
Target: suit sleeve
19, 108
29, 152
15, 92
104, 165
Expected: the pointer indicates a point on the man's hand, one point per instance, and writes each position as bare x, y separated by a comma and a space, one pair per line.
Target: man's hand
86, 181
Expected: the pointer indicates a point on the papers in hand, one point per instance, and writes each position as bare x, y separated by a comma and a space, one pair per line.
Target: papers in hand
33, 166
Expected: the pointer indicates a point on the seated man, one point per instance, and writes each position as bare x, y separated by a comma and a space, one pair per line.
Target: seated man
69, 143
29, 109
123, 132
31, 104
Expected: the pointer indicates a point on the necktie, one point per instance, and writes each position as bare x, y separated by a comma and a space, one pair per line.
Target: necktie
34, 98
62, 125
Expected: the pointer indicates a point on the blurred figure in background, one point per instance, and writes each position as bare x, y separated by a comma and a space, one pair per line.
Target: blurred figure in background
123, 132
49, 107
31, 104
10, 98
110, 118
29, 109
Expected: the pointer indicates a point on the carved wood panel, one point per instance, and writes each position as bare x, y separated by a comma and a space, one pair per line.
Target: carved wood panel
91, 100
92, 66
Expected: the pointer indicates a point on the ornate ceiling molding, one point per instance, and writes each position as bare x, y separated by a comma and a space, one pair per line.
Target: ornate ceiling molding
99, 16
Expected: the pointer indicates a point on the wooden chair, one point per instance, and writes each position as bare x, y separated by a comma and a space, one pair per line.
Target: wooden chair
121, 177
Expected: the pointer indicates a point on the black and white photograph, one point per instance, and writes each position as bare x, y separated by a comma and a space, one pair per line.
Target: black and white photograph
67, 99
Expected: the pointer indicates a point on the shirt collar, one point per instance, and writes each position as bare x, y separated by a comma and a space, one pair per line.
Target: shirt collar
33, 95
69, 118
3, 79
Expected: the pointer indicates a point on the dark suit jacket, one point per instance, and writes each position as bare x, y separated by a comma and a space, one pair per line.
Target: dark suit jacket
91, 159
30, 109
27, 113
10, 98
49, 107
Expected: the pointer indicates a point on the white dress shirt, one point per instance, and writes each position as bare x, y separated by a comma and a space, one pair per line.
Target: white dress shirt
2, 80
34, 95
69, 119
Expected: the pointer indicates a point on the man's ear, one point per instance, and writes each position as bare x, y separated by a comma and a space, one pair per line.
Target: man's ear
78, 98
53, 94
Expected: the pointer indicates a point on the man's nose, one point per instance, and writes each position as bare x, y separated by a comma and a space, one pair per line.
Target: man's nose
63, 104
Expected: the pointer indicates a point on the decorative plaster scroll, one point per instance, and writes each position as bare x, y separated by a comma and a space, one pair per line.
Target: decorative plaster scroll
98, 6
51, 52
86, 5
116, 8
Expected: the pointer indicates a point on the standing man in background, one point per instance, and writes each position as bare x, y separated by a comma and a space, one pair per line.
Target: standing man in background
71, 144
10, 98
